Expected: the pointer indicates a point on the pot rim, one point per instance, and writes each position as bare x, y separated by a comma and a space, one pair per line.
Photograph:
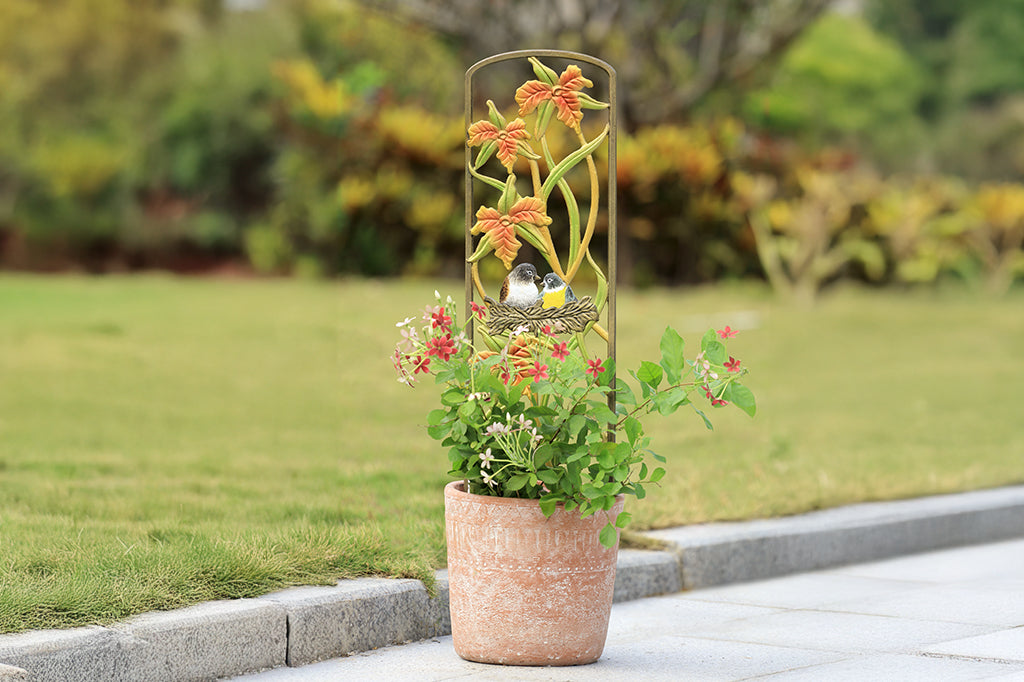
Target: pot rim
457, 489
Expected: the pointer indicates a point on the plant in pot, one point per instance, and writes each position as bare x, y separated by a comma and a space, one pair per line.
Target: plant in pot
543, 437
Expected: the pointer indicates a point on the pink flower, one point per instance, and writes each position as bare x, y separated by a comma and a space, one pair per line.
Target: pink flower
733, 365
595, 367
441, 346
560, 351
420, 364
428, 312
727, 333
538, 371
718, 402
441, 320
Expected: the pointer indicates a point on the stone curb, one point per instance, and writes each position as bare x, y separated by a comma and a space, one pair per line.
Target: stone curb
302, 625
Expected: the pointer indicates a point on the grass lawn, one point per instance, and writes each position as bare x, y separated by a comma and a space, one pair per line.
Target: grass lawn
165, 441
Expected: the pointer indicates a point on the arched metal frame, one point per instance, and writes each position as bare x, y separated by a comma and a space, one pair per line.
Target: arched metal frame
610, 194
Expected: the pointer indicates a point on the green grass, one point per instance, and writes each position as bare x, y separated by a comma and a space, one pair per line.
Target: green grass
166, 441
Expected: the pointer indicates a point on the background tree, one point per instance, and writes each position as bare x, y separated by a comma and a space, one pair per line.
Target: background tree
670, 54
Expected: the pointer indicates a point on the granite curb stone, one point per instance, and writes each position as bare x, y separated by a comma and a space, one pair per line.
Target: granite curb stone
721, 553
306, 624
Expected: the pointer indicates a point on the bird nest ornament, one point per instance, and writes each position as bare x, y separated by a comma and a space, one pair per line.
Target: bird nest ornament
572, 317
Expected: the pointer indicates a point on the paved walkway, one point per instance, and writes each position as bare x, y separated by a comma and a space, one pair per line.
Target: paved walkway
950, 615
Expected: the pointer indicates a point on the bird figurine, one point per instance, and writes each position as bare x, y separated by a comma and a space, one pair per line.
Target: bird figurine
520, 287
556, 293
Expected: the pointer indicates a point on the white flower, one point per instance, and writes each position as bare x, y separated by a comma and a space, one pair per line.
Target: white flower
488, 479
497, 428
405, 322
521, 329
486, 458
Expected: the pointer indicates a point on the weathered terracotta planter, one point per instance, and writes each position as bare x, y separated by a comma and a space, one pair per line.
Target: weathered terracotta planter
525, 589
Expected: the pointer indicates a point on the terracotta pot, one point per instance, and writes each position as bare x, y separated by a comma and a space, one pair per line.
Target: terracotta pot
525, 589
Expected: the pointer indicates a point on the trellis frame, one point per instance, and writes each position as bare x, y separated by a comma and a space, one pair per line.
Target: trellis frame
610, 191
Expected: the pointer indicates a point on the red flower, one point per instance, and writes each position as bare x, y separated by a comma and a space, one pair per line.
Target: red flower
733, 365
707, 392
478, 309
538, 371
727, 333
441, 346
717, 402
595, 367
507, 139
560, 351
502, 228
563, 94
421, 364
441, 320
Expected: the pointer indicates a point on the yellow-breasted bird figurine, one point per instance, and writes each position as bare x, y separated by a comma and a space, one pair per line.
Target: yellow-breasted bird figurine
556, 293
520, 287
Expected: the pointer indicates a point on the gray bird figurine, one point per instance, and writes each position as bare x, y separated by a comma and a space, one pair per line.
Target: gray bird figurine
520, 287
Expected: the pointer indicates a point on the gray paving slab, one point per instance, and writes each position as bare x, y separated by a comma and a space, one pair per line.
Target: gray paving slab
801, 627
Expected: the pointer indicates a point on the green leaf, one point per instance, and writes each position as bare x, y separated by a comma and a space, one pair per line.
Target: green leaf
544, 73
544, 455
435, 417
602, 414
649, 373
609, 536
453, 397
483, 247
707, 422
624, 394
713, 349
509, 195
623, 519
588, 102
672, 354
740, 396
516, 482
496, 118
548, 503
633, 428
549, 476
486, 149
670, 400
569, 162
639, 491
590, 491
657, 475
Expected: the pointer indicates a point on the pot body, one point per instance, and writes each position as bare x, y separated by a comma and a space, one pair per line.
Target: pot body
525, 589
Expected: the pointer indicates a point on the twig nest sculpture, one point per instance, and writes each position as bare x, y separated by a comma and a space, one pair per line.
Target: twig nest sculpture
571, 317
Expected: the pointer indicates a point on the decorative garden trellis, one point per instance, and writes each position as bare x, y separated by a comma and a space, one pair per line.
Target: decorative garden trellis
528, 415
526, 217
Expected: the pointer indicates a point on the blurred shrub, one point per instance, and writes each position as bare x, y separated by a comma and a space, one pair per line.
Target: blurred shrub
843, 82
316, 138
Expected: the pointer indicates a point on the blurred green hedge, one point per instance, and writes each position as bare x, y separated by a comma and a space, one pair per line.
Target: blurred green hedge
315, 139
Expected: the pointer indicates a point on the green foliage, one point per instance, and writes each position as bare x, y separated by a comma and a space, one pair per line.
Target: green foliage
531, 420
842, 81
